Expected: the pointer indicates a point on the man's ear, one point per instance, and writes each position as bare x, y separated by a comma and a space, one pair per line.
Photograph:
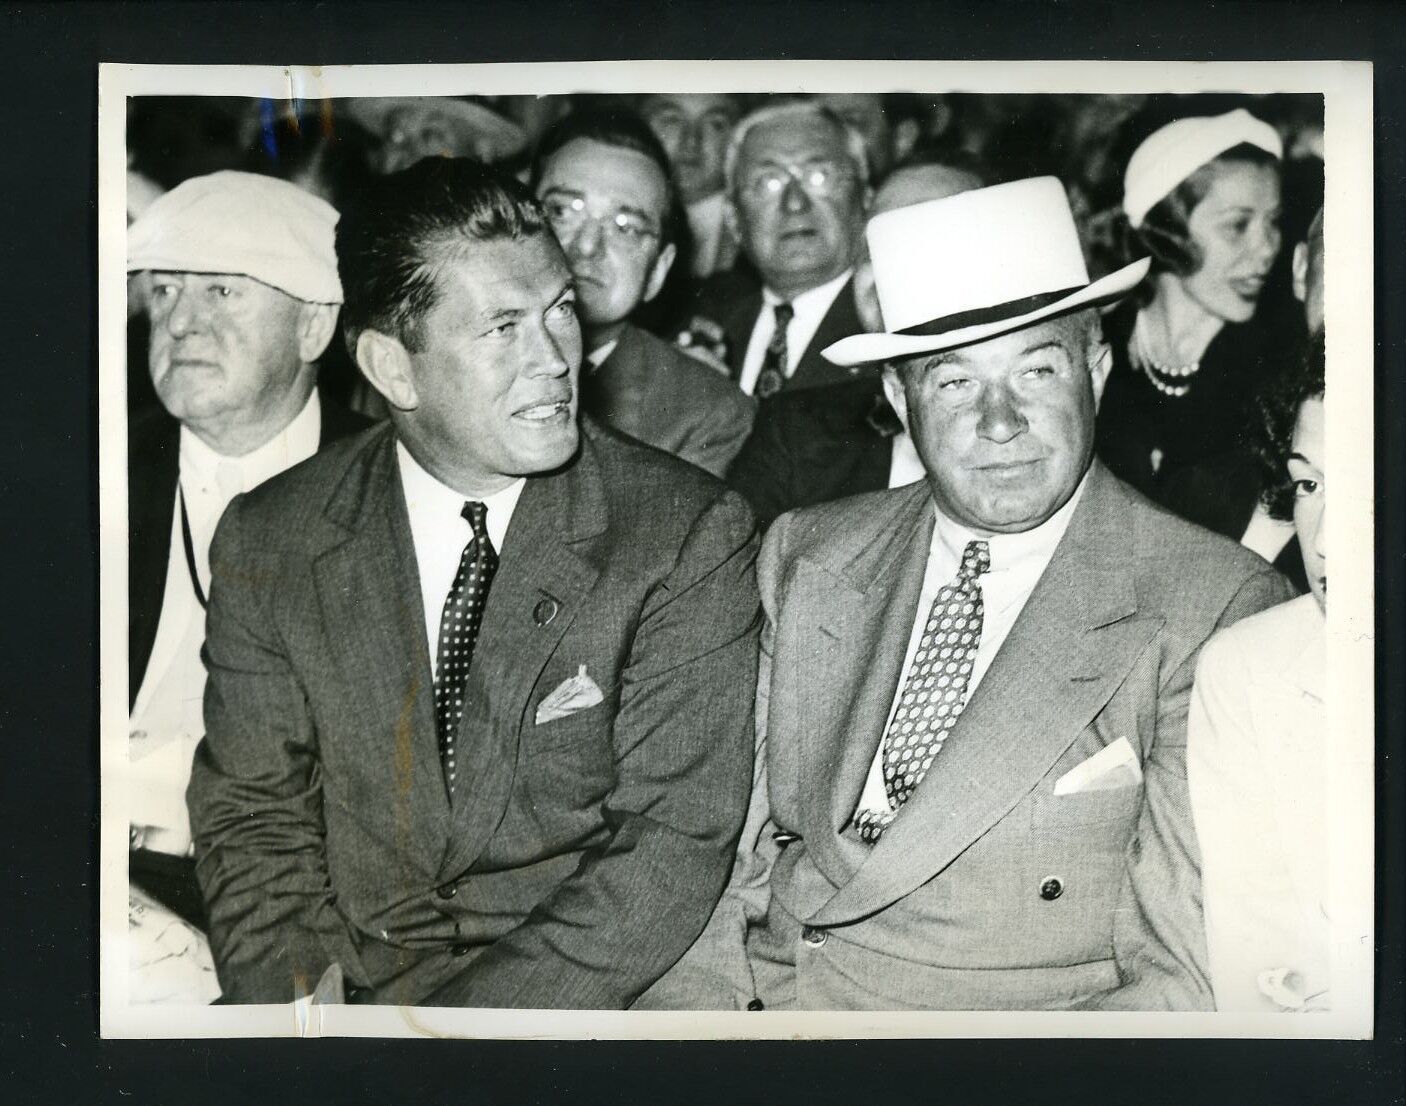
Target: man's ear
1299, 270
1100, 365
905, 137
732, 222
386, 364
893, 392
317, 322
659, 272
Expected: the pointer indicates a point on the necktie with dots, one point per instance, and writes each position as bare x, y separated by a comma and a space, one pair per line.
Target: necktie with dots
772, 377
936, 688
458, 629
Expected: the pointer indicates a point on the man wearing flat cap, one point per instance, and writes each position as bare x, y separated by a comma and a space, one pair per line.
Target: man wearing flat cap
239, 276
974, 689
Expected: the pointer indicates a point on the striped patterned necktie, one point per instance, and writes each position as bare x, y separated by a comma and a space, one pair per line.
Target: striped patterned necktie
459, 622
935, 691
772, 377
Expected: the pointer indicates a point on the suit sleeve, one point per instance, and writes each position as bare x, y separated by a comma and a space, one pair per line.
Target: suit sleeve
721, 435
715, 973
1252, 916
254, 797
763, 470
683, 747
1158, 936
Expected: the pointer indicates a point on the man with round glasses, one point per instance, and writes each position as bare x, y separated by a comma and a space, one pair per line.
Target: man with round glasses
797, 186
603, 180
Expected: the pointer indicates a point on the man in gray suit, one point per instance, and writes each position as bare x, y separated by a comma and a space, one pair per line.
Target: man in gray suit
479, 713
973, 699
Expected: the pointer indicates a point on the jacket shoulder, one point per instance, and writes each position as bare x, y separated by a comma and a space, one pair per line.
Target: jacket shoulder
688, 381
302, 491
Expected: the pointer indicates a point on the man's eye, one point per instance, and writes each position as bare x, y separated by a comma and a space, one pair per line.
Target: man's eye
952, 383
631, 228
502, 329
566, 309
220, 291
1305, 487
1040, 370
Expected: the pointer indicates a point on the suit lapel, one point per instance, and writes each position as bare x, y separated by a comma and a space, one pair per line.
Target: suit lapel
152, 473
859, 619
545, 572
1067, 654
840, 321
369, 588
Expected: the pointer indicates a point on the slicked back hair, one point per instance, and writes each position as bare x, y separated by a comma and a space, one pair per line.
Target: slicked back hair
392, 240
614, 127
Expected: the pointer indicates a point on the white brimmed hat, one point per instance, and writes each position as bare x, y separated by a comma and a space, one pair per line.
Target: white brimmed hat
1169, 155
241, 223
974, 266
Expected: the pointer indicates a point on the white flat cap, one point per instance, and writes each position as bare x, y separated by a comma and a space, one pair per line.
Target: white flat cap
245, 224
1169, 155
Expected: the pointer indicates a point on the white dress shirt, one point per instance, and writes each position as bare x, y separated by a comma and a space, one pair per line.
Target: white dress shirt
167, 721
1017, 563
440, 532
810, 307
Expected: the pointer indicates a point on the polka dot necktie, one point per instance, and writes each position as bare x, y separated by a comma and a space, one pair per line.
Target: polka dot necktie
936, 688
772, 377
458, 629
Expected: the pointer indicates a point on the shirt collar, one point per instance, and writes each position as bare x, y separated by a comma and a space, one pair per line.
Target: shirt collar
431, 502
1010, 552
295, 442
597, 357
820, 297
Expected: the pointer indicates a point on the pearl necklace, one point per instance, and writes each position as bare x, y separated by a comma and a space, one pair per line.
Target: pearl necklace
1162, 377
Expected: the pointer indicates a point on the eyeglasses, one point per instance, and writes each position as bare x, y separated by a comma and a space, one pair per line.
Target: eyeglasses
568, 215
816, 178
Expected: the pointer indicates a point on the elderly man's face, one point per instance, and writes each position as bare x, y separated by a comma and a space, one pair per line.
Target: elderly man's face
222, 346
798, 202
495, 373
693, 129
1005, 427
607, 206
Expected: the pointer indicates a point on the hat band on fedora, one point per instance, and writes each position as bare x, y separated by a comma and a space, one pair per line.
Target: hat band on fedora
980, 316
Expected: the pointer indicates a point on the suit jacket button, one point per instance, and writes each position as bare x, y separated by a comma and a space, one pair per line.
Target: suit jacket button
448, 891
813, 937
544, 612
1051, 888
460, 949
756, 1004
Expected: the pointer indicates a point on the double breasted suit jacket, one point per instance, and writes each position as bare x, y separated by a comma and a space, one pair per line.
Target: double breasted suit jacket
580, 856
988, 891
153, 471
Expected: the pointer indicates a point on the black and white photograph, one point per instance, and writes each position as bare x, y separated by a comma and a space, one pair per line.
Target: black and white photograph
720, 549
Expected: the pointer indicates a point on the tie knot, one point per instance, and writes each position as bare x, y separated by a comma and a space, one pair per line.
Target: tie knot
476, 514
783, 313
976, 559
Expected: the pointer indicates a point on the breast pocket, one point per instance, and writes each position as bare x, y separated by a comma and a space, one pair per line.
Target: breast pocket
1085, 808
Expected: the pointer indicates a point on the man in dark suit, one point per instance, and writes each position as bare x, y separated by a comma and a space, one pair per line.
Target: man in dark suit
479, 724
974, 689
603, 180
797, 186
812, 445
238, 276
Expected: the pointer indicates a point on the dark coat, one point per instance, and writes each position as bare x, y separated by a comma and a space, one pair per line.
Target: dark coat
153, 470
659, 395
816, 444
731, 301
582, 855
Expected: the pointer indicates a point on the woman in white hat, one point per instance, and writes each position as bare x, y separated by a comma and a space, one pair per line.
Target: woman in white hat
1201, 197
1256, 738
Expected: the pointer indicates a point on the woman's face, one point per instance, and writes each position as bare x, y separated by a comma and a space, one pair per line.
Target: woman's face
1306, 471
1236, 229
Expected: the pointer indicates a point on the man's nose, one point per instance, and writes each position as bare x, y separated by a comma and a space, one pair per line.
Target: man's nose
690, 143
587, 240
546, 355
794, 198
1000, 418
182, 314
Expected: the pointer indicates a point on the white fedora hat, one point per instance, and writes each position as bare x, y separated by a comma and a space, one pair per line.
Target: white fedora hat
974, 266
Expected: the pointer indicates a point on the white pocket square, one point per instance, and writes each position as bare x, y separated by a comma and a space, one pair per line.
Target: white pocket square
1113, 766
574, 693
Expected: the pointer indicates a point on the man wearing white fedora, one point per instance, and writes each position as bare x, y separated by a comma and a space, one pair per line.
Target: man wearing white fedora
971, 786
